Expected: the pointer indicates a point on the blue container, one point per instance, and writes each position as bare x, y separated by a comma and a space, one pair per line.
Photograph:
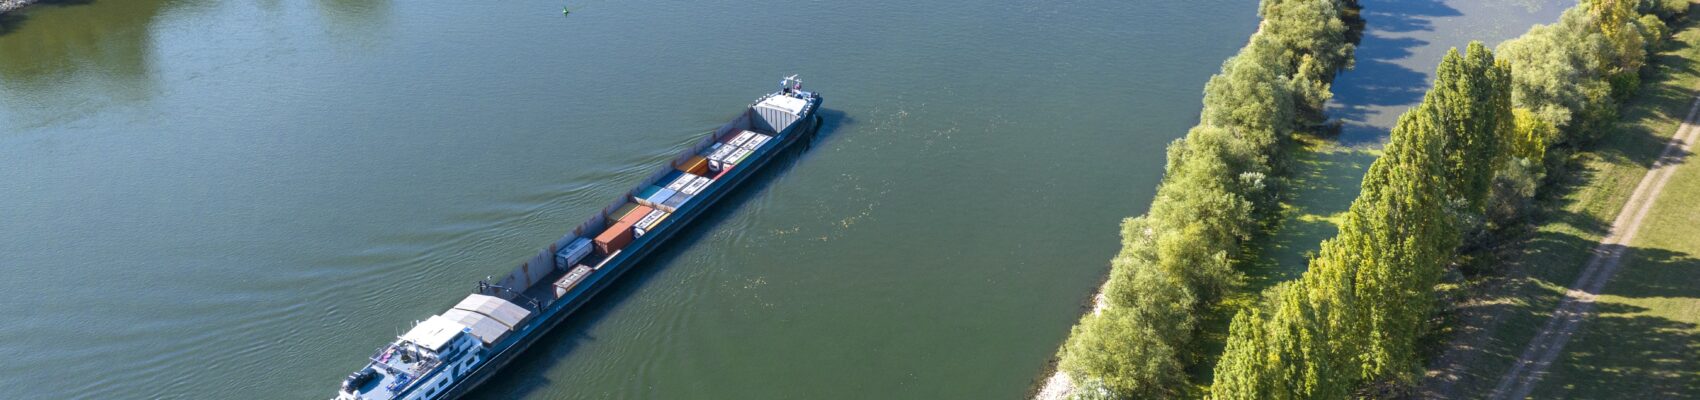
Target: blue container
672, 204
667, 180
572, 254
660, 196
647, 193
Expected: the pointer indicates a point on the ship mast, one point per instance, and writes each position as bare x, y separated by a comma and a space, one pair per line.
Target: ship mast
791, 84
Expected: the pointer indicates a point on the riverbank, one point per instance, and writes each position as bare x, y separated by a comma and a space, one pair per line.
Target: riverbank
7, 6
1220, 191
1498, 314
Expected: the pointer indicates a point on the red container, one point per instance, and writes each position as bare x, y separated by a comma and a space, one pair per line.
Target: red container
637, 214
615, 238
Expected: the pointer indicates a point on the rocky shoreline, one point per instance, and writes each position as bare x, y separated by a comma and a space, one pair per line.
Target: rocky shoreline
7, 6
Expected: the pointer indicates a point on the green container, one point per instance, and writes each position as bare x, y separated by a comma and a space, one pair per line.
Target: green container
620, 213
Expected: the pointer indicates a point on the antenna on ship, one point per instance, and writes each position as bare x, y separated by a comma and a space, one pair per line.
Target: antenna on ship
791, 84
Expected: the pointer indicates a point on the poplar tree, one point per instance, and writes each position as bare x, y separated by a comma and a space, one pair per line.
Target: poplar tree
1357, 313
1473, 99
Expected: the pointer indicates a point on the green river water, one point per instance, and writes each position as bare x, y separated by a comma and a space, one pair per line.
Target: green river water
242, 199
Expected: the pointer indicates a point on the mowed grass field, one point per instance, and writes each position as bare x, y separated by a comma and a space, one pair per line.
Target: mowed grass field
1642, 342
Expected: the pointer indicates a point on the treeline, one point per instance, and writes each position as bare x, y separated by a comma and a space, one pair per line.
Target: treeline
1475, 144
1215, 194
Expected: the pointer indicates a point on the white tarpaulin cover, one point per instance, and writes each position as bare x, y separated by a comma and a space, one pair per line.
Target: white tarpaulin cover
434, 333
503, 311
484, 327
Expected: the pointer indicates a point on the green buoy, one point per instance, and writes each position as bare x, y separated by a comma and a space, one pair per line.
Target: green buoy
564, 11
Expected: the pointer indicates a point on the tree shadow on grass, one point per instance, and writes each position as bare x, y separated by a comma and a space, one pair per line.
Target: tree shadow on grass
1547, 262
1631, 347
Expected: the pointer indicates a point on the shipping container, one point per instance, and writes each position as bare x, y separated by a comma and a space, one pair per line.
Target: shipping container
709, 152
697, 165
621, 212
637, 214
660, 196
573, 277
739, 139
696, 186
738, 156
670, 179
672, 204
616, 237
721, 153
723, 172
573, 253
649, 221
647, 192
756, 142
680, 181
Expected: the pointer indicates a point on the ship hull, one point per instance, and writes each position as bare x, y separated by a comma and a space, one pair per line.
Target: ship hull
638, 251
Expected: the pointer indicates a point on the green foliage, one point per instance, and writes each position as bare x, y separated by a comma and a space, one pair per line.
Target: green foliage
1572, 74
1653, 30
1462, 154
1313, 47
1665, 9
1356, 314
1531, 135
1251, 96
1215, 193
1513, 191
1472, 101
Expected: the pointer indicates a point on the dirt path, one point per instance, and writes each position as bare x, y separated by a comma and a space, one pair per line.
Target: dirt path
1520, 381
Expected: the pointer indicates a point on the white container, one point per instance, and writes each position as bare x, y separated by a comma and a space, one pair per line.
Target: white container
649, 221
573, 253
720, 154
696, 186
684, 179
743, 137
738, 156
756, 142
573, 277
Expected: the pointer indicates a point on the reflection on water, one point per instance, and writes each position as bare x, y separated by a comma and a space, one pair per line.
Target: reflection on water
355, 20
76, 51
57, 39
62, 60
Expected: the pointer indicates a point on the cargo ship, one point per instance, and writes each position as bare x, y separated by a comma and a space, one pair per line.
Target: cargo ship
448, 354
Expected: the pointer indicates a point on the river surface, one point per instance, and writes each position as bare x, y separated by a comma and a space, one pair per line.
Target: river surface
243, 199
